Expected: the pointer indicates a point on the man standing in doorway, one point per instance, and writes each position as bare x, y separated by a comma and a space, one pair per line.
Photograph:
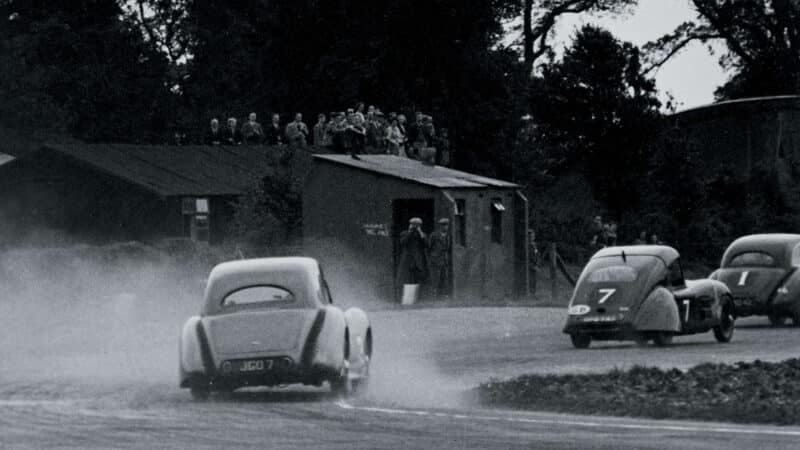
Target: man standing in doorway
440, 250
413, 267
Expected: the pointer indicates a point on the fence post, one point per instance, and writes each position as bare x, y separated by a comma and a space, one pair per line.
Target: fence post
553, 273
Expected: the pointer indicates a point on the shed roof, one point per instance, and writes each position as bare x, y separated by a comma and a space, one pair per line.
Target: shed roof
176, 170
416, 171
5, 158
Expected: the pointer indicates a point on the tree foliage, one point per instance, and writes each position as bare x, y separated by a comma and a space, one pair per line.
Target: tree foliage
595, 111
76, 66
762, 38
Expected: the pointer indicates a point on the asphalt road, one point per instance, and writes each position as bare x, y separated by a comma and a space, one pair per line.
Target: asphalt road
110, 383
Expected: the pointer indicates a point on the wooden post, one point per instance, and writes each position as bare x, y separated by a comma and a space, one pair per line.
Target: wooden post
553, 273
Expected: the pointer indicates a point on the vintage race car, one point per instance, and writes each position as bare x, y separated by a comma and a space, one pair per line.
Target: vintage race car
638, 293
761, 272
272, 321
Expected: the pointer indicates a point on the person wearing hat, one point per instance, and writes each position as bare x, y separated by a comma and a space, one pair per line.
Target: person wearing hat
413, 267
440, 246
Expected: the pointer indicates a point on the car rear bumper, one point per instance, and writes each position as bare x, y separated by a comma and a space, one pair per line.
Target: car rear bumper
619, 330
226, 377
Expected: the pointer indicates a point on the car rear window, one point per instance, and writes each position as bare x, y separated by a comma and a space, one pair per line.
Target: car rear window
750, 259
257, 296
624, 274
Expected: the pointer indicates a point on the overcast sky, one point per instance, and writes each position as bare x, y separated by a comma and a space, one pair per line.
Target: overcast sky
691, 76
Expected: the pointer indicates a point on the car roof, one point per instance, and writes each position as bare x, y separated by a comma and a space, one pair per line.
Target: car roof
663, 252
298, 274
776, 244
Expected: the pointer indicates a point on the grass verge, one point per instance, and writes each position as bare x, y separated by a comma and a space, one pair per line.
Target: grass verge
754, 392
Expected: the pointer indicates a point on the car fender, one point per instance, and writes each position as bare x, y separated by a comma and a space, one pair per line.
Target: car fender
358, 325
190, 351
658, 312
328, 340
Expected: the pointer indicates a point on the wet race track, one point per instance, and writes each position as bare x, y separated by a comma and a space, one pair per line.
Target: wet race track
106, 384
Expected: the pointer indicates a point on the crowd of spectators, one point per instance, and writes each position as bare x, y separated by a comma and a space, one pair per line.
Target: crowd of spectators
355, 131
604, 234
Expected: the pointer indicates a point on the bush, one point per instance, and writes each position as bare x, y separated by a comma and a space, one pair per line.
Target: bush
757, 392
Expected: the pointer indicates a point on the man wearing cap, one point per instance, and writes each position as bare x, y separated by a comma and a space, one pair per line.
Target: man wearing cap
440, 251
413, 267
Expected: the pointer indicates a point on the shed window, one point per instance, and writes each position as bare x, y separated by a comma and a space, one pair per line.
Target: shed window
461, 222
497, 209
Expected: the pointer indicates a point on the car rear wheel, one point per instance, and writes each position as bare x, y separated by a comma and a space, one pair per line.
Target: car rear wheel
641, 340
796, 318
342, 386
662, 338
200, 392
777, 320
724, 331
580, 340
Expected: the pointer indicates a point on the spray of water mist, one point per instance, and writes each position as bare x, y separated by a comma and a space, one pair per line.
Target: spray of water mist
110, 316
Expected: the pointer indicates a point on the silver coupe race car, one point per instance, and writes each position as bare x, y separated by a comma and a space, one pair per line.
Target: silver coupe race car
761, 272
639, 293
271, 321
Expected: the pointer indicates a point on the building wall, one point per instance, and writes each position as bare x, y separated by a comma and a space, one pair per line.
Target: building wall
743, 136
352, 208
51, 195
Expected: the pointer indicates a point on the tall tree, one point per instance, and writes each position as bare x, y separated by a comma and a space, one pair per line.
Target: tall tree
595, 112
762, 38
539, 18
76, 66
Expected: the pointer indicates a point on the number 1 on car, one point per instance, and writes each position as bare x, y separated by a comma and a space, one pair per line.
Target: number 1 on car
743, 278
606, 294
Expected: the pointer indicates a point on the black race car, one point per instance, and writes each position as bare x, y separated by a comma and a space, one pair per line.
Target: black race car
638, 293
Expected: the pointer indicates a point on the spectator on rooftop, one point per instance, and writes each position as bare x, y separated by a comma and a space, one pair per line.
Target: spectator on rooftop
231, 135
359, 113
338, 129
395, 139
252, 133
297, 131
274, 134
214, 134
320, 131
354, 135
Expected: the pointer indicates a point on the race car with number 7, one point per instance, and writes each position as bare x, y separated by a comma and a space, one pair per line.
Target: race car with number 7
638, 293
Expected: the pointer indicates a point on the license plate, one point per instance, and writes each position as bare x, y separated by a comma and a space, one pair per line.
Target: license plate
255, 365
600, 319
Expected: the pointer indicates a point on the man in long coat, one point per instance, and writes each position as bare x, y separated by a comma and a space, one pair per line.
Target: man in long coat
440, 251
413, 267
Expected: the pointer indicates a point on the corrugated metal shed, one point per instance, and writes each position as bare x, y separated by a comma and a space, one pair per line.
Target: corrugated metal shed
416, 171
176, 170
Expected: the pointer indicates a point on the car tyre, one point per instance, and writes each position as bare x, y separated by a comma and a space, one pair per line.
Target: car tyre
342, 386
777, 320
662, 338
580, 340
724, 331
796, 318
641, 340
200, 393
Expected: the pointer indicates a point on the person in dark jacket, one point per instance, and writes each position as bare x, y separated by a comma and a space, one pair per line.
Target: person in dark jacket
274, 133
214, 133
231, 135
440, 249
252, 133
413, 267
